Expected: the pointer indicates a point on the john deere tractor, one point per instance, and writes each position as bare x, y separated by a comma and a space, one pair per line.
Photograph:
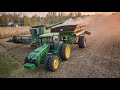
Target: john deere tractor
55, 46
50, 51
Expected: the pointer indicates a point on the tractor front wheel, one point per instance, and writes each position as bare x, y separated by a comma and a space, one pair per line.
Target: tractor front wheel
51, 63
65, 51
25, 60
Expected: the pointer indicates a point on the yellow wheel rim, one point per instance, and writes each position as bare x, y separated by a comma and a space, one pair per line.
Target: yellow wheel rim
56, 62
67, 51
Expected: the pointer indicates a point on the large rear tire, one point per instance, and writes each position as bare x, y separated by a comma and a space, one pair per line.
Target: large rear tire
51, 63
65, 51
82, 42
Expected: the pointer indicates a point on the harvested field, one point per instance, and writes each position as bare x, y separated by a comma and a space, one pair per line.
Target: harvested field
100, 59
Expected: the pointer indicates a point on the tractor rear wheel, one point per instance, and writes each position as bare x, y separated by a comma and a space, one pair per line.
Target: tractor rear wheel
51, 63
65, 51
82, 42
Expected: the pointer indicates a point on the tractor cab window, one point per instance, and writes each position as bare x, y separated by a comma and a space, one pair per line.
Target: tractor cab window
44, 40
50, 39
40, 41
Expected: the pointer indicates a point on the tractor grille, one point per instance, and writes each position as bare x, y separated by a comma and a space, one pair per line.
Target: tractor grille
34, 61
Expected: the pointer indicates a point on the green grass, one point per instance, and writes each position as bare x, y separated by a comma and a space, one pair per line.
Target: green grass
8, 63
11, 66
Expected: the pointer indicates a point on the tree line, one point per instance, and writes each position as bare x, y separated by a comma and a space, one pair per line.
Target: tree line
8, 19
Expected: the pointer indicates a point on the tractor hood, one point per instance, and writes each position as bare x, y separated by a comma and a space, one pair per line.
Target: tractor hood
34, 59
36, 52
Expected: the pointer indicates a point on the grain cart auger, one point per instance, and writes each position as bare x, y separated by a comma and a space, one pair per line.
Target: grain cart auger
55, 46
35, 31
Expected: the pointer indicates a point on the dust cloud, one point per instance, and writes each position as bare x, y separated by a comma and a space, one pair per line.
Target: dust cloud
106, 26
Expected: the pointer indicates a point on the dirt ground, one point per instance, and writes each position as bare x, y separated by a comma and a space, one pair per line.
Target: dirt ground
100, 59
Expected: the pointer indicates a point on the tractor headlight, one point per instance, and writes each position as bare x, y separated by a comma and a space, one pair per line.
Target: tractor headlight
34, 60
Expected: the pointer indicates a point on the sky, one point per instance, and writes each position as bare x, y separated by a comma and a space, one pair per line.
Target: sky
43, 14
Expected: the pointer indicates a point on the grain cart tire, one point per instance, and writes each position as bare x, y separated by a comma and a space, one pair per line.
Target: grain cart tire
65, 51
52, 63
82, 42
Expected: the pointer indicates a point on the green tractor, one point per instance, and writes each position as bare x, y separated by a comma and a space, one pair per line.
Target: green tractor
50, 51
55, 46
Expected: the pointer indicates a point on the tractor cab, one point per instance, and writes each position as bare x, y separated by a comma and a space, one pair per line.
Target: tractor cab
50, 38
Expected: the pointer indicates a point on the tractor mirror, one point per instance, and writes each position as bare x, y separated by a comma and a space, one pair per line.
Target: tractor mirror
55, 39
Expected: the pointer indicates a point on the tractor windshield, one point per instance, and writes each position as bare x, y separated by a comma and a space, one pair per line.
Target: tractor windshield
44, 40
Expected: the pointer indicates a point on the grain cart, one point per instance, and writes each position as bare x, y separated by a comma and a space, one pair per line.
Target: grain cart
55, 46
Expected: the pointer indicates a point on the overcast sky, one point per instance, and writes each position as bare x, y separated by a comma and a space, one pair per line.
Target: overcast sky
42, 14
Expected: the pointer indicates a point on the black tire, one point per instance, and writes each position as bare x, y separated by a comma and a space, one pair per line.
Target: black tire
82, 42
49, 63
25, 60
63, 51
46, 62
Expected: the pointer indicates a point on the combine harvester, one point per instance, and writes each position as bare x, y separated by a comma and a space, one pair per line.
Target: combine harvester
35, 32
53, 47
